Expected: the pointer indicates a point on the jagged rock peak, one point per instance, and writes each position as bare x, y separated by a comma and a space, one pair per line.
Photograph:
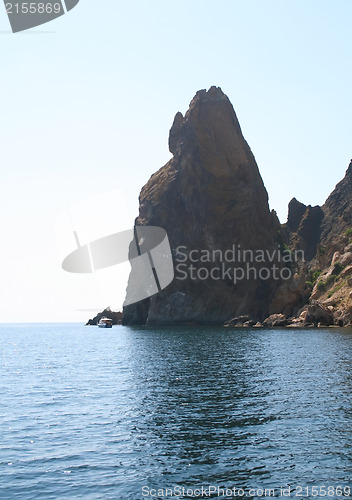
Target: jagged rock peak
213, 94
296, 210
175, 132
349, 170
338, 208
210, 116
341, 186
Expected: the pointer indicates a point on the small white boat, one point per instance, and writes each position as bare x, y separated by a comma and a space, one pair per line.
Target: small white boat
105, 323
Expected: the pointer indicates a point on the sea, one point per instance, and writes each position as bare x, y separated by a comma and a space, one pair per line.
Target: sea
202, 412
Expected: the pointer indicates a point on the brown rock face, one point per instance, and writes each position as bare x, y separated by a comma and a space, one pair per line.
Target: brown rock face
324, 233
296, 210
307, 236
338, 211
308, 226
208, 197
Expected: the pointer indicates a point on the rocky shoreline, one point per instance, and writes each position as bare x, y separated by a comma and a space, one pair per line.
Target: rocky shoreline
313, 315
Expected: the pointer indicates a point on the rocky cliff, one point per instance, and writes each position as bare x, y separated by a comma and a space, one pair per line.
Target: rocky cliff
337, 214
320, 293
311, 227
211, 200
208, 197
331, 268
304, 227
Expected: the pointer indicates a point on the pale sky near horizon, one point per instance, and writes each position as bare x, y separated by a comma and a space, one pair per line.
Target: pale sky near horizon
88, 101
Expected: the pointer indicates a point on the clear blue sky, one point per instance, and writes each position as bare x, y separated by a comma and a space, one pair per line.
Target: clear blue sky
88, 100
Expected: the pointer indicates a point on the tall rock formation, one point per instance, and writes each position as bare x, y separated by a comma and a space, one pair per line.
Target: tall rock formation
208, 197
304, 227
211, 201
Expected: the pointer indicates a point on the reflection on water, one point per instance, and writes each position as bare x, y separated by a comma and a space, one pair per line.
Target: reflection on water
245, 408
111, 412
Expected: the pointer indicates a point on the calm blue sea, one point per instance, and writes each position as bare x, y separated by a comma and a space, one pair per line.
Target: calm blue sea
88, 413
